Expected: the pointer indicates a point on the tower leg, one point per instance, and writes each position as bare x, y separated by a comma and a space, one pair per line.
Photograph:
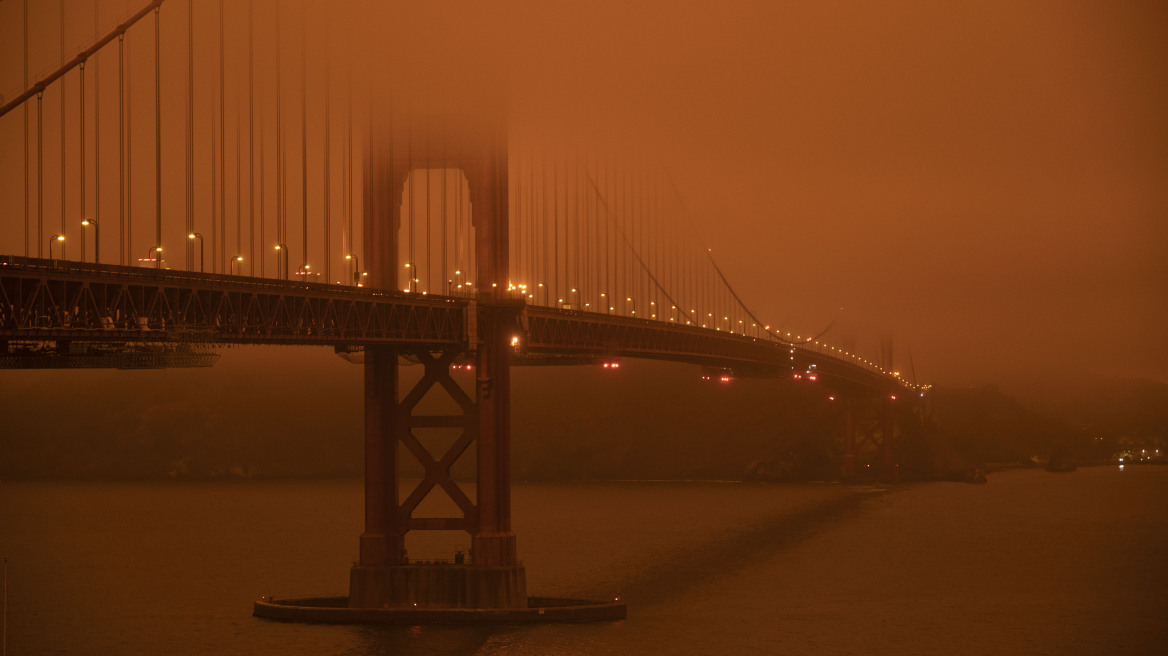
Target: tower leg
503, 581
848, 466
382, 545
891, 470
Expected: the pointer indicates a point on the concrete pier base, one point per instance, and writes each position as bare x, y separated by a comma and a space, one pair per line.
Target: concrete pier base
335, 610
437, 585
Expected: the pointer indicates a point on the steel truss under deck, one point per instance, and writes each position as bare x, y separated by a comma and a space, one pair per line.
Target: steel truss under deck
55, 300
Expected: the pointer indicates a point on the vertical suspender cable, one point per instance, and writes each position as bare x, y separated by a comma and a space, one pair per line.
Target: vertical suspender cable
190, 142
520, 233
81, 148
262, 247
442, 212
328, 253
121, 150
40, 175
238, 178
429, 199
541, 247
545, 273
215, 190
63, 244
625, 217
601, 235
96, 144
554, 292
531, 255
251, 192
349, 149
639, 251
304, 131
591, 256
572, 228
221, 253
27, 219
157, 134
624, 225
128, 247
582, 223
411, 263
280, 186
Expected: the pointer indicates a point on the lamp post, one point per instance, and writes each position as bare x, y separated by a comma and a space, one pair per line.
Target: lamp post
630, 300
410, 279
303, 270
199, 236
157, 251
604, 297
282, 251
356, 268
53, 239
96, 240
231, 265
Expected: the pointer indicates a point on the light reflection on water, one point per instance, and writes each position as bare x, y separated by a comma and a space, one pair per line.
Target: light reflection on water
1030, 563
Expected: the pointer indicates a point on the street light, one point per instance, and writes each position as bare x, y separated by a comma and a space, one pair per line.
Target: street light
53, 239
356, 268
157, 251
199, 236
630, 300
96, 240
303, 270
282, 250
231, 265
410, 277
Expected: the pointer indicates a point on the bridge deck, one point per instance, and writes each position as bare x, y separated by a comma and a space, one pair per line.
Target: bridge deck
56, 300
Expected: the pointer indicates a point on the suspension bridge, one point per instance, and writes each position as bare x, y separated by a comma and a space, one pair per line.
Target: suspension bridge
203, 158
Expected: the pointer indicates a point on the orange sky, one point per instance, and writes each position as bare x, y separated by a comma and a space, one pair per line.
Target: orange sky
986, 180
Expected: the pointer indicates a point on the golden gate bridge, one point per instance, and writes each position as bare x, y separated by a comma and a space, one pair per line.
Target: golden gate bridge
481, 243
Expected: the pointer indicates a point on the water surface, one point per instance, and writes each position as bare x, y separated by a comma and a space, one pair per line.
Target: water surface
1030, 563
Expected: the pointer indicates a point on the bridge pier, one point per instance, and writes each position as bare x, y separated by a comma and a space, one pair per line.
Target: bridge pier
384, 577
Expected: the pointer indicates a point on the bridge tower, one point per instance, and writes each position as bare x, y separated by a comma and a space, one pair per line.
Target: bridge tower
869, 425
383, 575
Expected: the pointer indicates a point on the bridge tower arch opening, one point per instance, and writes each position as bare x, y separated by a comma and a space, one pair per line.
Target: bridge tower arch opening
492, 575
